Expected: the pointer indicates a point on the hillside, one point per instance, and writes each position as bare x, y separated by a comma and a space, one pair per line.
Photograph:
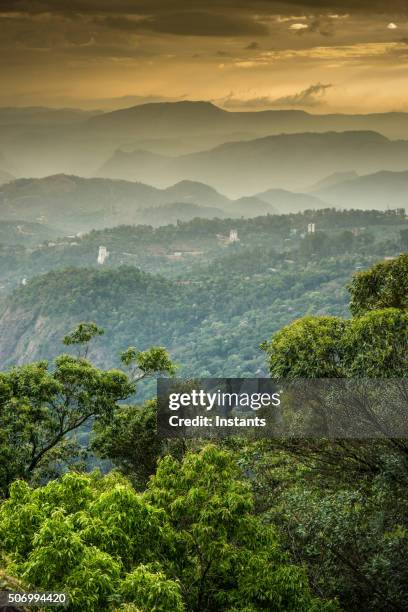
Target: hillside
214, 324
177, 249
25, 234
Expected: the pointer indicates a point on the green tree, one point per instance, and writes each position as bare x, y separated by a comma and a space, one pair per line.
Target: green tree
190, 542
341, 504
385, 285
43, 404
374, 343
131, 442
308, 348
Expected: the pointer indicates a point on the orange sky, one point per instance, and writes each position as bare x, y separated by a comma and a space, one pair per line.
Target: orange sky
317, 55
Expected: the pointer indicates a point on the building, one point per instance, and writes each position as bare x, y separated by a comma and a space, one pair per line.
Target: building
311, 228
233, 236
102, 255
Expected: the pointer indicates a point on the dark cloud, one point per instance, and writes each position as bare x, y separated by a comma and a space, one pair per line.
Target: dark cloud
325, 26
190, 23
219, 18
146, 7
229, 7
253, 46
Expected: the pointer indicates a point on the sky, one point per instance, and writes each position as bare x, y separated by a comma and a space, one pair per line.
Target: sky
316, 55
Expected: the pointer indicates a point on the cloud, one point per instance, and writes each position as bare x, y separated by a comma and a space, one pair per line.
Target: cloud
323, 25
190, 23
252, 46
392, 26
298, 26
309, 97
154, 7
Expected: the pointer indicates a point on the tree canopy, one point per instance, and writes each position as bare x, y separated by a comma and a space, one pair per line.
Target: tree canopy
190, 542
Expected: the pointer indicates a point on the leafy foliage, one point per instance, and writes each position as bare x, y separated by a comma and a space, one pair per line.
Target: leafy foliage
190, 542
341, 504
385, 285
373, 344
42, 404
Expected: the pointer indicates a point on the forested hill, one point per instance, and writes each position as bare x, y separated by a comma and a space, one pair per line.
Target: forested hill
211, 324
178, 248
210, 301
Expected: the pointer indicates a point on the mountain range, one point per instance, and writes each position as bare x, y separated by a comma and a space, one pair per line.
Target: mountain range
379, 190
70, 204
287, 161
176, 119
75, 204
44, 141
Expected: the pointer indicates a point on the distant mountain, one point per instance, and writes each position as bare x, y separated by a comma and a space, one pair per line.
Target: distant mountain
129, 165
289, 202
287, 161
378, 190
162, 119
40, 115
169, 119
44, 141
73, 204
333, 179
196, 193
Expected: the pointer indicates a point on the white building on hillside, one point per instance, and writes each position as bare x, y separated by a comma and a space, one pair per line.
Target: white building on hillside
102, 255
233, 236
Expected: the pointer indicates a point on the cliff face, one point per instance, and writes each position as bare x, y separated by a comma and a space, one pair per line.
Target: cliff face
25, 334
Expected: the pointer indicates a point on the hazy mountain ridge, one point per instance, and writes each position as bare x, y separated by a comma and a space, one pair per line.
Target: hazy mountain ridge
76, 204
175, 118
43, 141
285, 161
333, 179
382, 189
42, 115
291, 202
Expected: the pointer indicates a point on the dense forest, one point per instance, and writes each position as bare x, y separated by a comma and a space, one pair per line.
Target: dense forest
295, 524
211, 306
